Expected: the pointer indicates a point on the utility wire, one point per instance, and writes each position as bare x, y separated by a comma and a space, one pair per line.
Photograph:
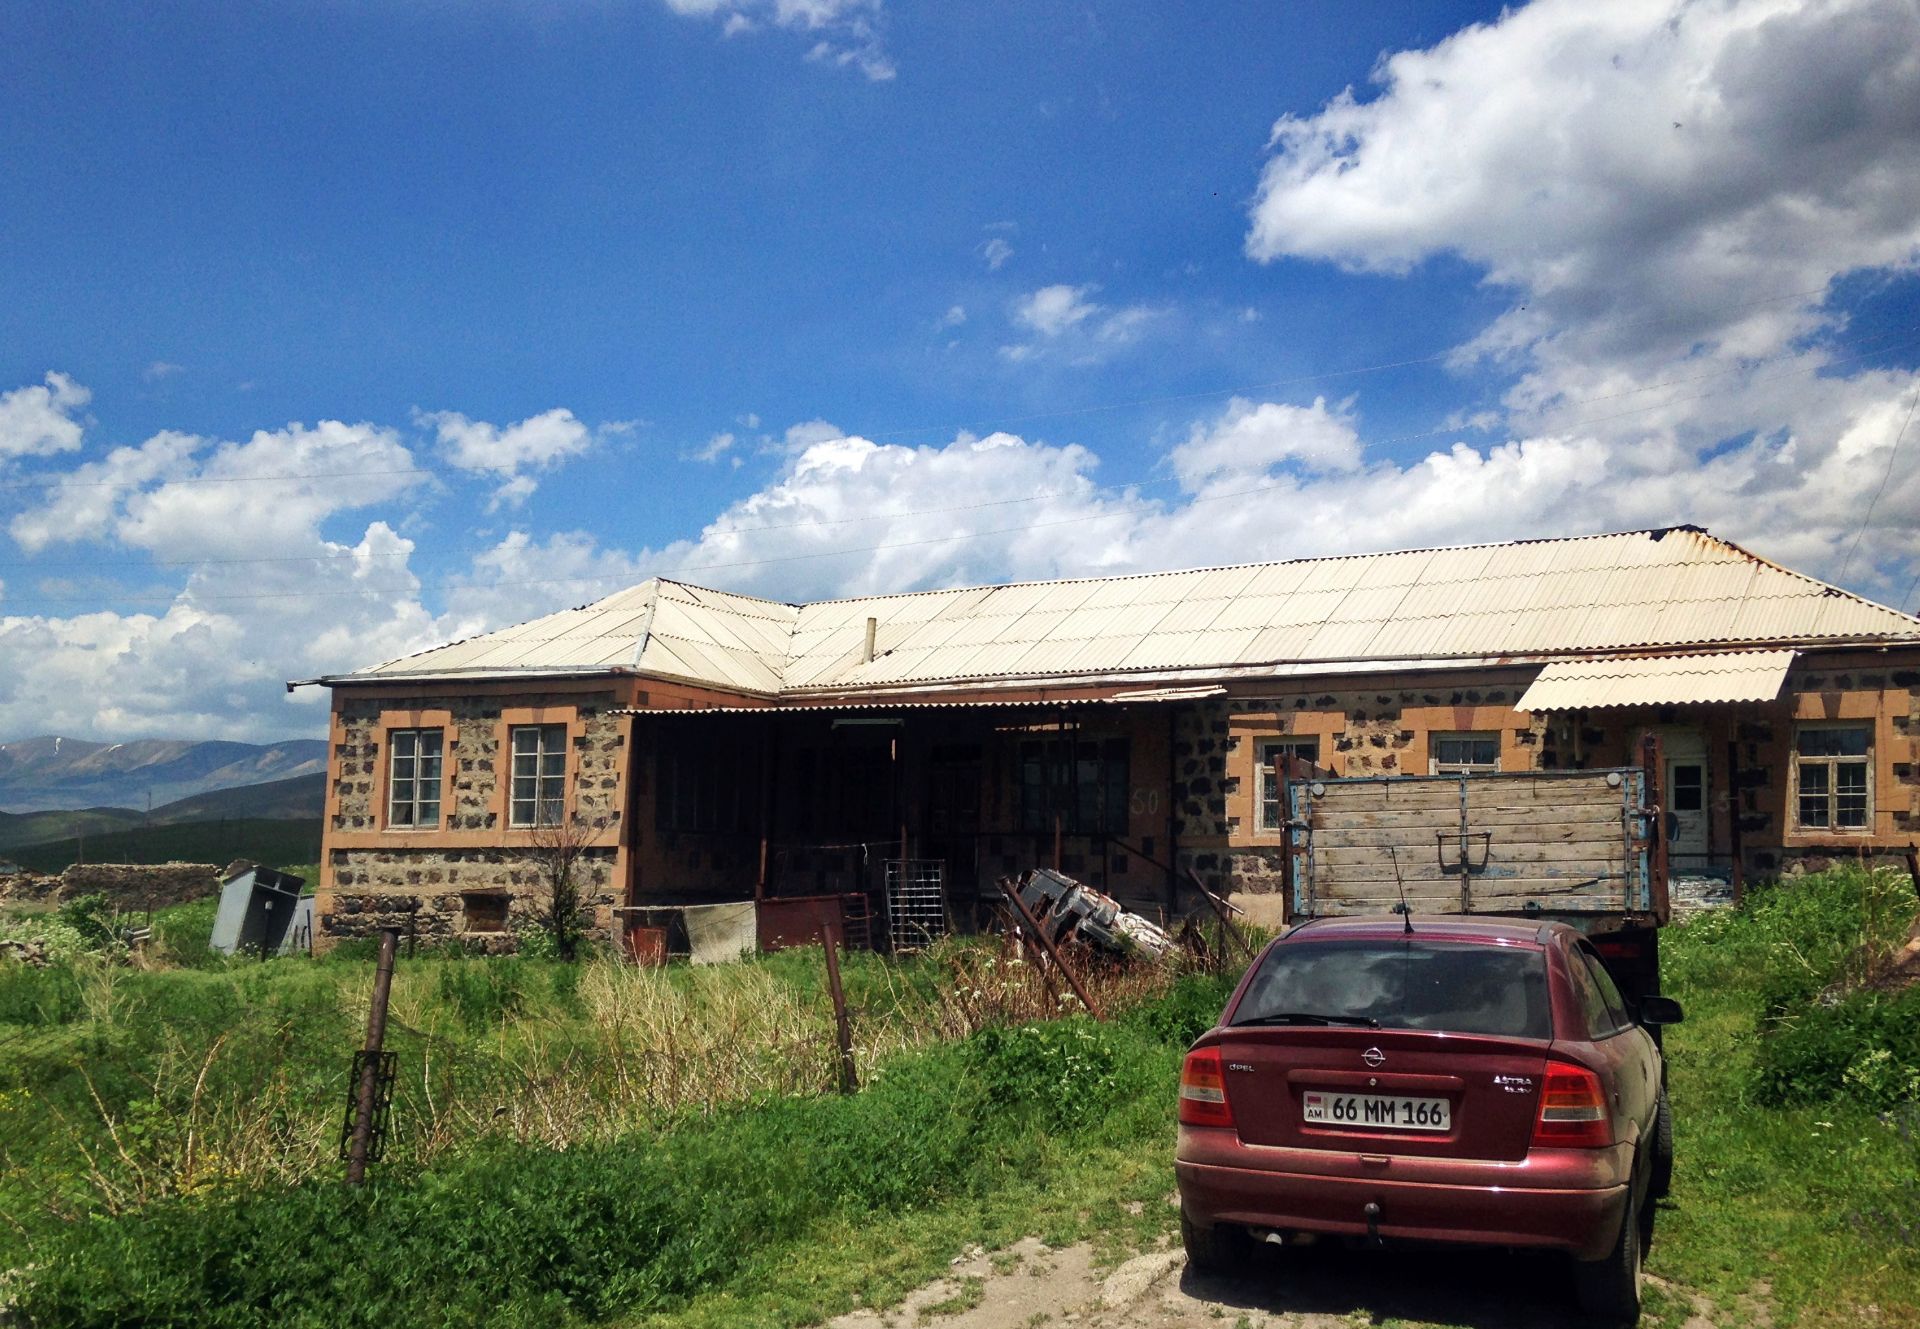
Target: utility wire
976, 426
1114, 489
1867, 520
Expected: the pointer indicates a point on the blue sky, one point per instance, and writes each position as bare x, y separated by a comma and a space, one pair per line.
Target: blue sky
745, 288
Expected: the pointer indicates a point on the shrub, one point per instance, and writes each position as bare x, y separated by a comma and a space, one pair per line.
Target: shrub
1065, 1070
1865, 1047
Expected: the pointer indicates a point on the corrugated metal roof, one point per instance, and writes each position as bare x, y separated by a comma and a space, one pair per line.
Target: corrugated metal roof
1658, 680
1632, 592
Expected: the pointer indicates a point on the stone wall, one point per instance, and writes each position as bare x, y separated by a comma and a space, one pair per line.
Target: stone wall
422, 881
129, 886
475, 757
428, 892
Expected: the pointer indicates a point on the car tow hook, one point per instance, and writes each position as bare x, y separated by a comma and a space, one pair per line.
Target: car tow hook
1372, 1211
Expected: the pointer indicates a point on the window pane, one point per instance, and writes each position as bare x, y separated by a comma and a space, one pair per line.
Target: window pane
522, 812
1823, 742
429, 812
526, 738
1850, 793
1438, 985
1687, 790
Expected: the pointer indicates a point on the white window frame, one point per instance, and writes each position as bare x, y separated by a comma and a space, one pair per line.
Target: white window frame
1832, 764
403, 746
1263, 774
548, 796
1437, 767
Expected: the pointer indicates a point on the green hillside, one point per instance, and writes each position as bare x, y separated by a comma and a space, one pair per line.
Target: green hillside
264, 840
18, 828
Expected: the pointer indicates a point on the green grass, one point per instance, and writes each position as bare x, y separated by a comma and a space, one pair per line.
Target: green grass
783, 1208
219, 842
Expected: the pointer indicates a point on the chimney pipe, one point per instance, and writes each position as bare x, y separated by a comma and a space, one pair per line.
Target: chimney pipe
873, 630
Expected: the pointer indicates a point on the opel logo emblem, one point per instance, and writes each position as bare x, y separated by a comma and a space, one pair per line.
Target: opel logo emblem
1373, 1056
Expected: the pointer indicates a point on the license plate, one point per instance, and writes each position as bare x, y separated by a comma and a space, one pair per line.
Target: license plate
1369, 1112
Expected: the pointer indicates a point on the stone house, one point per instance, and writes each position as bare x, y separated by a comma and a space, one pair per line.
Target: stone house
704, 746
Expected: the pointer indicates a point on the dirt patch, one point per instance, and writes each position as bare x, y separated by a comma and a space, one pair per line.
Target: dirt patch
1029, 1286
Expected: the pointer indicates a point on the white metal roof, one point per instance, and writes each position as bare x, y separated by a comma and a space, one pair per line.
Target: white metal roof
1658, 680
1679, 589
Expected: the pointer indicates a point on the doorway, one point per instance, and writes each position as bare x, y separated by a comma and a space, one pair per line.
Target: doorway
1687, 798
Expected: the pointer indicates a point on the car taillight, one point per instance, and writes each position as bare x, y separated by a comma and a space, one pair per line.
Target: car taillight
1203, 1090
1573, 1109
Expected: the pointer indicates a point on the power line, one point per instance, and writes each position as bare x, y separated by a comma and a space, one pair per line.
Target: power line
1115, 488
1867, 520
975, 426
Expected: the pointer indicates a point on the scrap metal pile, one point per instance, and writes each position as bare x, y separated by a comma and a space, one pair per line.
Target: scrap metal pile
1067, 910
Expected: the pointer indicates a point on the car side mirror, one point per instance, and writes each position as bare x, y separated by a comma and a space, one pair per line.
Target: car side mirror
1660, 1010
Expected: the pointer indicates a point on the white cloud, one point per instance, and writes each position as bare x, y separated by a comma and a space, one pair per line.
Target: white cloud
955, 316
847, 33
713, 449
540, 442
1065, 318
995, 251
1051, 310
39, 420
161, 369
1671, 191
1251, 438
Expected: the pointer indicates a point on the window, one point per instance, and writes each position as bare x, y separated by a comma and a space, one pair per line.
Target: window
483, 913
1271, 752
539, 774
1084, 782
1416, 983
1689, 792
1600, 998
1453, 753
1830, 774
413, 778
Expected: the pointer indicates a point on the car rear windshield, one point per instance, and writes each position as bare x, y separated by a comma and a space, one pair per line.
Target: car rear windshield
1457, 987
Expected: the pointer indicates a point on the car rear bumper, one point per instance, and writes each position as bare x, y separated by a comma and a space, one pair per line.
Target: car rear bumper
1565, 1200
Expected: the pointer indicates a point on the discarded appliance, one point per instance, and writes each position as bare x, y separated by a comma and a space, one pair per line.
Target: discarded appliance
263, 913
1069, 910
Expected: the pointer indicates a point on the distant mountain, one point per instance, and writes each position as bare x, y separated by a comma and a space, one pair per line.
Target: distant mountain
302, 797
66, 774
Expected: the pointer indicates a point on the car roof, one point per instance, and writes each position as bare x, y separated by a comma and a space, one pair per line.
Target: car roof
1371, 927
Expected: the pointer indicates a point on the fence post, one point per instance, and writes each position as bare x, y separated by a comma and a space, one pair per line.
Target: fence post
370, 1064
1012, 892
843, 1032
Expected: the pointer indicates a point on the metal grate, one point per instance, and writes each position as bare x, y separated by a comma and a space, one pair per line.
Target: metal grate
916, 902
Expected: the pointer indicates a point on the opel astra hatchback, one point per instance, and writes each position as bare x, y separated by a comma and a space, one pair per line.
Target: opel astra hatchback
1430, 1080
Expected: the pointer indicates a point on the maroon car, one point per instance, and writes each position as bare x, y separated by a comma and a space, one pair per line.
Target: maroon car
1430, 1080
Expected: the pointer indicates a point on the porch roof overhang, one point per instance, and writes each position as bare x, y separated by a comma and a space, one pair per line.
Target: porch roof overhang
897, 703
1658, 680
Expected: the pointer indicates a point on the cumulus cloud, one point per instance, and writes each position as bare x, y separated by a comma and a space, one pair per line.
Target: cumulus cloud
540, 442
846, 33
41, 419
995, 251
1672, 191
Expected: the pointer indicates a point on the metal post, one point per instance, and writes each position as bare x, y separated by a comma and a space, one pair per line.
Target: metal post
1650, 762
1053, 953
1738, 874
843, 1032
369, 1072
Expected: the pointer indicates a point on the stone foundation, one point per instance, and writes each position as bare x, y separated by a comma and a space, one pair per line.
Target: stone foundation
427, 891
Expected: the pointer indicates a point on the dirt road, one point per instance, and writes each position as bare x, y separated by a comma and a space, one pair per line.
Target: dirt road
1029, 1286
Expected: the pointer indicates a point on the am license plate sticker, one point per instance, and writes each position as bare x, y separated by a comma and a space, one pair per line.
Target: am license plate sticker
1369, 1112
